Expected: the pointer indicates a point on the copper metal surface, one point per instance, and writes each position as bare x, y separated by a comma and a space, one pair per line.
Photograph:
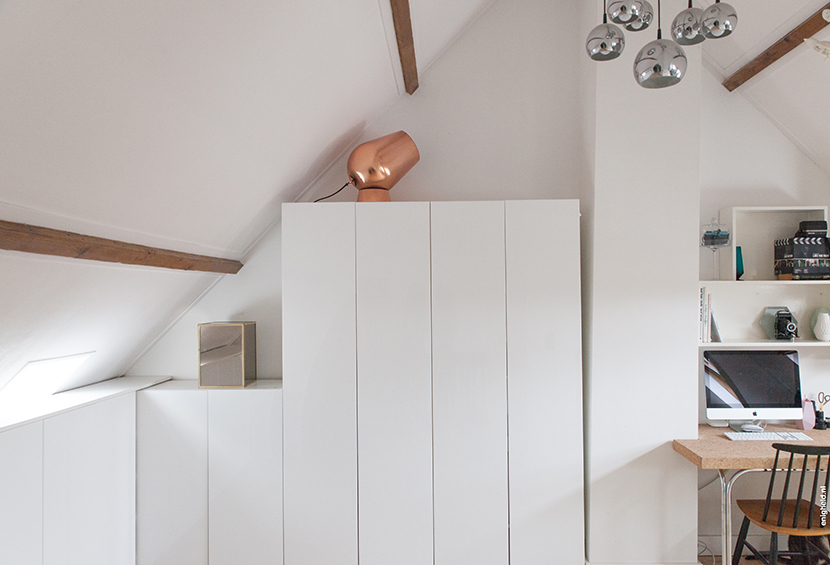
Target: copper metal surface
382, 162
373, 195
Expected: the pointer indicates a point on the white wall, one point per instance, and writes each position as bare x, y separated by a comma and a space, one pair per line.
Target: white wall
642, 367
252, 294
493, 120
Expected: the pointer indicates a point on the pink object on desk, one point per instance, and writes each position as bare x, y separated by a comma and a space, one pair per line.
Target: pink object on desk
808, 420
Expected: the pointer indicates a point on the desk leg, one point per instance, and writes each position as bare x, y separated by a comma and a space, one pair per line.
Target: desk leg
726, 511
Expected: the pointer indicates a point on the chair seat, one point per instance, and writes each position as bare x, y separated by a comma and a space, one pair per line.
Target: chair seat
754, 510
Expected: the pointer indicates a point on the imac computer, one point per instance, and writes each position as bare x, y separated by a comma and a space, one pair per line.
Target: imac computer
742, 386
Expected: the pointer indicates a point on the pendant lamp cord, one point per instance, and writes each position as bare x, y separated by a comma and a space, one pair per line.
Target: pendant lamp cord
333, 193
604, 12
659, 25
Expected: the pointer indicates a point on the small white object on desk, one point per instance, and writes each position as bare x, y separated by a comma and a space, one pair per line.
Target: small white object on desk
768, 436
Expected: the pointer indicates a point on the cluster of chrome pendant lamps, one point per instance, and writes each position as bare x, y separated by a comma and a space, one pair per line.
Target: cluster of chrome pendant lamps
662, 62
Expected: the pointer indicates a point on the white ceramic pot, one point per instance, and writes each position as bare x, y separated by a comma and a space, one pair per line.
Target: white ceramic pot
822, 327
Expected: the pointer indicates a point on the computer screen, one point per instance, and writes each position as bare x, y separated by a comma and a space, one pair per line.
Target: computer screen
747, 385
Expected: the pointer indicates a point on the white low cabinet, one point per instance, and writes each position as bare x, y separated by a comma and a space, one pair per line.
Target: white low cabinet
67, 487
89, 485
209, 475
433, 383
21, 495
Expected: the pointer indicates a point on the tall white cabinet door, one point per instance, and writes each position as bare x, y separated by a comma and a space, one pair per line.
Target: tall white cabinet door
469, 383
172, 475
394, 383
245, 475
89, 484
319, 384
544, 367
21, 495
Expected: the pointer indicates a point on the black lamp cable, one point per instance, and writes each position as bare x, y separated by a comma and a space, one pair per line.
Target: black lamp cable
332, 194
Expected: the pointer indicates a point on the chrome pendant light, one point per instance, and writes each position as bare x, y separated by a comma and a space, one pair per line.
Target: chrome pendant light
719, 20
606, 41
660, 63
686, 27
624, 11
644, 19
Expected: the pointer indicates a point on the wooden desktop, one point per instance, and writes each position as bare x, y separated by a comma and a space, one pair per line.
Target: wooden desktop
713, 450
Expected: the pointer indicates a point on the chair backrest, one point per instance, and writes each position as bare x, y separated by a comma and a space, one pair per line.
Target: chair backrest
815, 457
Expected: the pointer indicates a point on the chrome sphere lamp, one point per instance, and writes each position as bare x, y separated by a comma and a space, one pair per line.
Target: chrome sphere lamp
686, 27
719, 20
660, 63
643, 20
606, 41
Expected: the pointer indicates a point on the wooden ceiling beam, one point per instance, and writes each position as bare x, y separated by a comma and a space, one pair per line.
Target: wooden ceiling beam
47, 241
406, 45
796, 37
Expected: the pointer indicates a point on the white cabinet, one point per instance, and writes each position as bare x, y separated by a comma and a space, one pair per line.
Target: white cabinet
208, 484
21, 495
432, 374
171, 438
320, 409
89, 485
394, 393
544, 384
469, 383
245, 476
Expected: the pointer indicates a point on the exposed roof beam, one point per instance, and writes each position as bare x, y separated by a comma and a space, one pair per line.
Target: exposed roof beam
796, 37
406, 46
47, 241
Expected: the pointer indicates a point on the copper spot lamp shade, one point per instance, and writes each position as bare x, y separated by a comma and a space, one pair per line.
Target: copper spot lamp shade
376, 166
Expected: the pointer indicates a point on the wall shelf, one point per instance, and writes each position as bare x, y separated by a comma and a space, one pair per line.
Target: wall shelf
769, 344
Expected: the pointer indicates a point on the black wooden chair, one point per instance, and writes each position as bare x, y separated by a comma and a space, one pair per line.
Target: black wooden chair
803, 515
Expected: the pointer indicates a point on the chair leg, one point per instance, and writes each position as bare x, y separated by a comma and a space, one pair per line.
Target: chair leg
773, 549
739, 546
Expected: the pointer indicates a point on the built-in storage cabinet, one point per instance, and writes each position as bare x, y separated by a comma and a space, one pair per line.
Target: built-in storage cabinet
89, 484
67, 487
432, 383
754, 229
739, 304
21, 495
209, 475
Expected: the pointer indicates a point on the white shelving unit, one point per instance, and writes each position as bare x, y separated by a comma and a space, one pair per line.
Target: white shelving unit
739, 304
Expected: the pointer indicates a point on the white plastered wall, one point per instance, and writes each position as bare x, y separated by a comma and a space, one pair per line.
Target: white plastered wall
642, 366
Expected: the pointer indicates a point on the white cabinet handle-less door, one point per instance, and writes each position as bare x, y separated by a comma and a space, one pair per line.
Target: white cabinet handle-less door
470, 383
319, 384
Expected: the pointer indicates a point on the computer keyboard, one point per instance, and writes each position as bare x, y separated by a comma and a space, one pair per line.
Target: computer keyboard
768, 436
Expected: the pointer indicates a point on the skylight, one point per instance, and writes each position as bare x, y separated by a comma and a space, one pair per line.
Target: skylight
42, 378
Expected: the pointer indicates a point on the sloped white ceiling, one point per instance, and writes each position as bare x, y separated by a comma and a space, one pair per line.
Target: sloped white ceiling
792, 92
180, 124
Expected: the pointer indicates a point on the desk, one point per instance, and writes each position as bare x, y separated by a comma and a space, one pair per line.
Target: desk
713, 450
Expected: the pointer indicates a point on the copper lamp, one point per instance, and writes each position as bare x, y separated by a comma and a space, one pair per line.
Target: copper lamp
376, 166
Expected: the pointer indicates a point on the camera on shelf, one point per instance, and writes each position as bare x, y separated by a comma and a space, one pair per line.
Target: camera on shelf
779, 323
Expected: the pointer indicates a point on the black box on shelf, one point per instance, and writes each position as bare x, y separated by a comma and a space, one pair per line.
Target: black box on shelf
817, 247
802, 269
812, 227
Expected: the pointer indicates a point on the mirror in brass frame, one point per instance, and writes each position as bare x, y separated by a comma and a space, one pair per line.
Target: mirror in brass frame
227, 354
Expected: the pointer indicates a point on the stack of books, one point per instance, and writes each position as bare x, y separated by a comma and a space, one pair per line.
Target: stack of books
709, 330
